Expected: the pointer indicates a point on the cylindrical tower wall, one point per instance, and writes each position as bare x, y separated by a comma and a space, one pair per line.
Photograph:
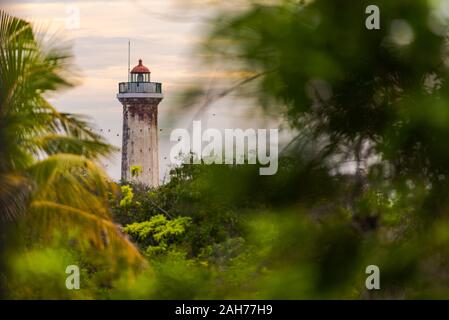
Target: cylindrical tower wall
140, 140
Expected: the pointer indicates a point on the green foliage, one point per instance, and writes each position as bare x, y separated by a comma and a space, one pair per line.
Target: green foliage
128, 195
136, 171
158, 232
39, 272
189, 193
351, 87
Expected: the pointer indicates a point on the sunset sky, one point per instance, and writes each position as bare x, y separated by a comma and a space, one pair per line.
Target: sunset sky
164, 33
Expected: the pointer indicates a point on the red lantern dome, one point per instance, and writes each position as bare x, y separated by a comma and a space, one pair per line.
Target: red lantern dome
140, 68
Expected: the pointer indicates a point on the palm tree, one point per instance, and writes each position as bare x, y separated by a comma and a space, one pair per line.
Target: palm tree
48, 172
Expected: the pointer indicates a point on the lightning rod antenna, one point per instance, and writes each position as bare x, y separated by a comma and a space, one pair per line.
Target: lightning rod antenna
129, 62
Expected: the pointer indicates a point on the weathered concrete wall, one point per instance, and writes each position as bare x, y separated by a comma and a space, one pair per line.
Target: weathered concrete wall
140, 139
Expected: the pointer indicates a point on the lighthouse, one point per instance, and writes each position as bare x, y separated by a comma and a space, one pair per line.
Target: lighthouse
140, 99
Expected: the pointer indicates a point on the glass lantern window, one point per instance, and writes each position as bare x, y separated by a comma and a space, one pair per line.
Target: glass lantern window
140, 77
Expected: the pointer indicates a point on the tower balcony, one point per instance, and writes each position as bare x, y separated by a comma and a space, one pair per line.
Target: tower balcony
140, 87
139, 90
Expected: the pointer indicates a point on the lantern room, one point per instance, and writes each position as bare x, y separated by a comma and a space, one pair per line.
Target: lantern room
140, 73
139, 85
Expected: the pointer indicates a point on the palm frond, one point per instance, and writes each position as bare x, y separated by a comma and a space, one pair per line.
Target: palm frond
72, 180
54, 143
97, 233
15, 193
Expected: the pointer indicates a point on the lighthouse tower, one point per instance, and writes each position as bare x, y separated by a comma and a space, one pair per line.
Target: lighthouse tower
140, 99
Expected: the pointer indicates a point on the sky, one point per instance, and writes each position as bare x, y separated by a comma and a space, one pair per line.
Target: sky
164, 34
